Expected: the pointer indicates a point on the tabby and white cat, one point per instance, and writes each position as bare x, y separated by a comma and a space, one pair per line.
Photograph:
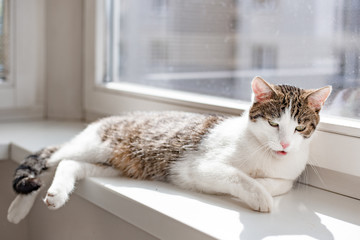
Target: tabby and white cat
252, 157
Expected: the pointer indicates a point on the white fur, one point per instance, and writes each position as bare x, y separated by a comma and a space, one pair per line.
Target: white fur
87, 146
75, 161
239, 158
21, 206
67, 173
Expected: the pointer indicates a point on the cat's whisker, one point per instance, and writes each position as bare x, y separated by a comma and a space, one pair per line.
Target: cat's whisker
303, 178
258, 149
312, 163
261, 147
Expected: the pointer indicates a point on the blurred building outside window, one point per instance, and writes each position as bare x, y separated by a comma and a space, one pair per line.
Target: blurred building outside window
216, 47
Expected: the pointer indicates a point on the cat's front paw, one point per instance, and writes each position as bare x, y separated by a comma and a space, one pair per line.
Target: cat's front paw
260, 200
55, 199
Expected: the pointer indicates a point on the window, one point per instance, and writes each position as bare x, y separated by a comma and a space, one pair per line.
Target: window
4, 39
22, 54
216, 47
201, 55
264, 57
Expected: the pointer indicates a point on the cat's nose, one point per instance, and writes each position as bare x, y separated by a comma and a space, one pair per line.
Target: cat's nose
285, 144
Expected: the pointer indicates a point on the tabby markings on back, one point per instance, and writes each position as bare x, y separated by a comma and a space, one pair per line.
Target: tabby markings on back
145, 145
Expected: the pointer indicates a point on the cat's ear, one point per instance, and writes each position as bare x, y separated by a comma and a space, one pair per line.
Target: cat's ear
317, 98
261, 89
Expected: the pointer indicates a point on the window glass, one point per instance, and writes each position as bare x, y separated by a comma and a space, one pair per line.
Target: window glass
216, 47
4, 21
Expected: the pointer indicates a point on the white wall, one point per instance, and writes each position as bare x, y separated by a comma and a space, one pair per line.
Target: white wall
9, 231
78, 219
64, 47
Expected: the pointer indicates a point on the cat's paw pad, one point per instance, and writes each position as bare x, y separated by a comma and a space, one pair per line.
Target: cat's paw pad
261, 201
55, 199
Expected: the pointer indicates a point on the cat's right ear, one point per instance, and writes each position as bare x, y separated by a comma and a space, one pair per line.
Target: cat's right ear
261, 89
317, 98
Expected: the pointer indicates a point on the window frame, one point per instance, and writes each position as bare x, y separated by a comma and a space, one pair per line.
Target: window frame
22, 94
102, 99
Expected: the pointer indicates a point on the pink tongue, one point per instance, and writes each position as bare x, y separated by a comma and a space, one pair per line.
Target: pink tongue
281, 152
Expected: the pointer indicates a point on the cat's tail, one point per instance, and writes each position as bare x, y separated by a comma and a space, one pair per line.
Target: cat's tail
26, 178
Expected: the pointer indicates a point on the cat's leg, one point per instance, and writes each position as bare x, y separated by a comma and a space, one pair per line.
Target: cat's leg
66, 175
20, 206
87, 146
276, 186
222, 178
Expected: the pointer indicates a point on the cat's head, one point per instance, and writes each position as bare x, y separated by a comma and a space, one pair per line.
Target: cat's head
285, 116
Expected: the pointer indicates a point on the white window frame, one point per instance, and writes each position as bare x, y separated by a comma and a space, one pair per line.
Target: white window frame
335, 147
22, 95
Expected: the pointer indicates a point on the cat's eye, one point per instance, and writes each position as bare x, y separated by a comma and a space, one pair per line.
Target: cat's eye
273, 124
300, 128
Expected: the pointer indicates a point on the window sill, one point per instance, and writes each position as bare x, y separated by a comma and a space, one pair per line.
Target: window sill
331, 124
168, 212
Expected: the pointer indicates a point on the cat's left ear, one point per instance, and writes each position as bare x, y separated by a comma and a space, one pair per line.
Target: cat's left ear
317, 98
262, 90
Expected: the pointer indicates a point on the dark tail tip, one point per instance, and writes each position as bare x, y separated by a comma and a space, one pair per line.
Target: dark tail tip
26, 185
25, 180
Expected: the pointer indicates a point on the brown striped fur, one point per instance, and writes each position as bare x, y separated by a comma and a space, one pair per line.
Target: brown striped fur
26, 175
145, 145
291, 97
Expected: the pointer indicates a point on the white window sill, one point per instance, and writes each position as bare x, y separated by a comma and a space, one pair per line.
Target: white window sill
171, 213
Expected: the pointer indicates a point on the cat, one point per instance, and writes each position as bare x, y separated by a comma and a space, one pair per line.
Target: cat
253, 157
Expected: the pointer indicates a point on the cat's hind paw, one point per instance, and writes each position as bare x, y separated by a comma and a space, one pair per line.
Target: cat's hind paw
55, 199
20, 207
